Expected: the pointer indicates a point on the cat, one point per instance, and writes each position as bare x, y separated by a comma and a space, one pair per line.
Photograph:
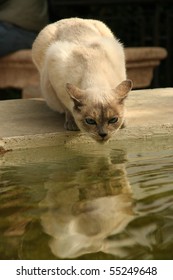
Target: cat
82, 72
85, 209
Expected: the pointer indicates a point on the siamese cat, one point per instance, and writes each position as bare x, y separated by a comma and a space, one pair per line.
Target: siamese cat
82, 72
84, 211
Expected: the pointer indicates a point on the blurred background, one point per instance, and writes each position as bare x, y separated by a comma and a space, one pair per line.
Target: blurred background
137, 23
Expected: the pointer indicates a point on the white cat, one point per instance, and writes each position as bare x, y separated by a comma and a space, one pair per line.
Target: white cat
82, 71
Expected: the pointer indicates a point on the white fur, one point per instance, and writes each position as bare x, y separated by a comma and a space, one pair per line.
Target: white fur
81, 52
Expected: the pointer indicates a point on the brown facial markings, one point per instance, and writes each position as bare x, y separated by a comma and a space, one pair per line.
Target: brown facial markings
107, 112
101, 114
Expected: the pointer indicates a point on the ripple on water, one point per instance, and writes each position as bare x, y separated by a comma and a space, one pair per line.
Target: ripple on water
111, 205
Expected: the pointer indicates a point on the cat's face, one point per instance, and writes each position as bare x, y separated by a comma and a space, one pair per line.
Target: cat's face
99, 118
100, 121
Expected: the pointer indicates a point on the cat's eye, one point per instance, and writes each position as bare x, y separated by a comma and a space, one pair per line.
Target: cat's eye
90, 121
113, 120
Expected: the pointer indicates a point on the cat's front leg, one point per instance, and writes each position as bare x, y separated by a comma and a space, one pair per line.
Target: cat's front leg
70, 122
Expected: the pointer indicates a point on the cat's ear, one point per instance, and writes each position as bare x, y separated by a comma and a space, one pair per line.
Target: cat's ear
123, 89
75, 94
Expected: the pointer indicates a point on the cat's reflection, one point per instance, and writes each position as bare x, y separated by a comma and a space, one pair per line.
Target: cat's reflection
87, 214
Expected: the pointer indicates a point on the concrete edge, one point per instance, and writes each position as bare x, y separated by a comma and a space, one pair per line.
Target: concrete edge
75, 138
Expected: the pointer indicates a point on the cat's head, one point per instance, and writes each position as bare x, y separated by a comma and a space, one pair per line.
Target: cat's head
99, 113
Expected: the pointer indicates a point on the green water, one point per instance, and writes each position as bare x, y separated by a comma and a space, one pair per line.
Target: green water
88, 202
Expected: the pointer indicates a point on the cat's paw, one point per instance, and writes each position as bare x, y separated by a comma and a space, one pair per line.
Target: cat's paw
70, 125
70, 122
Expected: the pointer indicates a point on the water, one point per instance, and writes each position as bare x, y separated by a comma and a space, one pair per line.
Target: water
88, 202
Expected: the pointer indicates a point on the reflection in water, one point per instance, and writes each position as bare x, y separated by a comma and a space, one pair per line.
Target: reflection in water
88, 205
98, 204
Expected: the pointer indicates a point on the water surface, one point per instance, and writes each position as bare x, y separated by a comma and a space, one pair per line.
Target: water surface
88, 202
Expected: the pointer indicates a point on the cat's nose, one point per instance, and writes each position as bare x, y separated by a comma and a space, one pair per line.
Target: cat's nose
103, 134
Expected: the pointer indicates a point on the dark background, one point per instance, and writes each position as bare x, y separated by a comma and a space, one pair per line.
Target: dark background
135, 22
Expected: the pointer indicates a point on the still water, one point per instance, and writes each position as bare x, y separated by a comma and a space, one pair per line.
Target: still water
88, 202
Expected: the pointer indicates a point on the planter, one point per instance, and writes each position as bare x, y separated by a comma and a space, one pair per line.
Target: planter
141, 62
18, 71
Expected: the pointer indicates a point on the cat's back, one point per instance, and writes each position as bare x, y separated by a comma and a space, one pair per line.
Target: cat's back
75, 30
84, 40
80, 30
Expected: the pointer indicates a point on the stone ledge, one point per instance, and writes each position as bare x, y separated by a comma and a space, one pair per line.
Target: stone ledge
73, 139
30, 123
